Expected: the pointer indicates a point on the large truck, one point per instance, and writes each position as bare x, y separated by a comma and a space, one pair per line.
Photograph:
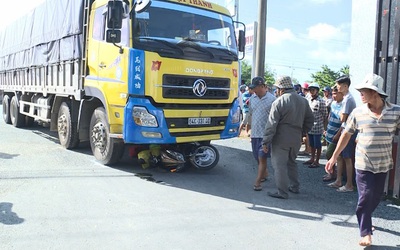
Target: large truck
375, 47
118, 73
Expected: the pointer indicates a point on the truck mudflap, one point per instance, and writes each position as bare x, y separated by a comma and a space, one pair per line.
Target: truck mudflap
160, 133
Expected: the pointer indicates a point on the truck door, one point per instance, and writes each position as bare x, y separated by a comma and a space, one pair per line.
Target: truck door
96, 36
113, 67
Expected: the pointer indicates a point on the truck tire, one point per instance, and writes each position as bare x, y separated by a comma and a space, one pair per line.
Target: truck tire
204, 157
105, 149
17, 119
67, 130
6, 109
29, 121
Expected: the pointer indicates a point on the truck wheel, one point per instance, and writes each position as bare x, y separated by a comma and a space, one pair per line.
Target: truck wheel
17, 119
6, 109
67, 131
105, 149
29, 121
204, 157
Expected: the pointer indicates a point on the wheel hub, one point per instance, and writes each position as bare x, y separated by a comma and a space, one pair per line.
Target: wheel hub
62, 125
99, 138
203, 156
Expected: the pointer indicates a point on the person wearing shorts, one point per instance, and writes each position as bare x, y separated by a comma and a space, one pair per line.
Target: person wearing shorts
346, 158
331, 133
320, 112
259, 108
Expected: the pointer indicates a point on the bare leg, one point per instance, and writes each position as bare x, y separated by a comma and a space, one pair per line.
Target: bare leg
241, 128
318, 155
349, 173
262, 171
307, 144
312, 155
339, 168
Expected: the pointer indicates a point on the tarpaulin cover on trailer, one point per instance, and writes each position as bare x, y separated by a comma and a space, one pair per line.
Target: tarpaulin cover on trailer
50, 33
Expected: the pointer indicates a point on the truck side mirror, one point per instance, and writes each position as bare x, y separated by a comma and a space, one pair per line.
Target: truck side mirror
242, 40
113, 36
115, 13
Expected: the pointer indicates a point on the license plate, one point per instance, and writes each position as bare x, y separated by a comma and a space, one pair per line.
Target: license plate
199, 121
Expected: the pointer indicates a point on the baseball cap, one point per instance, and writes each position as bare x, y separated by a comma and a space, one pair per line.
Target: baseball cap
327, 88
257, 81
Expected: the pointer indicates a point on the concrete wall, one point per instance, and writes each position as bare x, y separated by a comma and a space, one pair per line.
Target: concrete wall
363, 25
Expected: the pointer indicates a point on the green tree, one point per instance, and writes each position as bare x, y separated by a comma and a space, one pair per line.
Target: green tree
345, 70
269, 76
246, 72
246, 69
327, 77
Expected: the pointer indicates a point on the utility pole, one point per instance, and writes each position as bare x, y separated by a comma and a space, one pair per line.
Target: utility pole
261, 37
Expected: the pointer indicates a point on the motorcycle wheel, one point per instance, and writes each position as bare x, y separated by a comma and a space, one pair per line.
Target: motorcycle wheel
204, 157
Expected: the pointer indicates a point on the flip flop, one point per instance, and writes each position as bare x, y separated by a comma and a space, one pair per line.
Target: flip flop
257, 188
344, 189
264, 179
328, 177
314, 165
307, 162
333, 185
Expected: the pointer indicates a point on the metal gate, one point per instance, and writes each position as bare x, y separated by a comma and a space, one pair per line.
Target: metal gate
386, 64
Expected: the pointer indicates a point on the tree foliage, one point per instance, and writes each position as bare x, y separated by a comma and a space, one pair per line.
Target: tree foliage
327, 77
269, 75
246, 72
324, 77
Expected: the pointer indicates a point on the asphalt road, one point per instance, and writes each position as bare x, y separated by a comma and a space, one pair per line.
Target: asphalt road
52, 198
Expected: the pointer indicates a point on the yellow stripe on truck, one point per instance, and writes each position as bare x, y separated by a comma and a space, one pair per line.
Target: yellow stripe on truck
177, 130
197, 138
168, 113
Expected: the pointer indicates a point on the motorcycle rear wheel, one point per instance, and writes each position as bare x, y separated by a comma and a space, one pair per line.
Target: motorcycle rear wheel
204, 157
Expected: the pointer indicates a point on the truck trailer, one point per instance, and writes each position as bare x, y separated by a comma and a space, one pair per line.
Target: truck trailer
119, 73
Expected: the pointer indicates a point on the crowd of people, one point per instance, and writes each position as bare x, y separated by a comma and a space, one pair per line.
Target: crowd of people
358, 139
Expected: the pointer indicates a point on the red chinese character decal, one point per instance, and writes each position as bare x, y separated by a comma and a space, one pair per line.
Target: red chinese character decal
234, 71
156, 66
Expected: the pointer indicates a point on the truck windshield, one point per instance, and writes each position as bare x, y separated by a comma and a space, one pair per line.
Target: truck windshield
176, 23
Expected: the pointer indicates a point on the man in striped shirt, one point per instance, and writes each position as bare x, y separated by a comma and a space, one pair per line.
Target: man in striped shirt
376, 122
334, 123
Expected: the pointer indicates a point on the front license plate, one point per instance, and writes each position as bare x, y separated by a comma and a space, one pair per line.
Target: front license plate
199, 121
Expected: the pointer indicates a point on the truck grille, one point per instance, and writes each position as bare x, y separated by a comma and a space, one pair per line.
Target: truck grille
216, 122
182, 87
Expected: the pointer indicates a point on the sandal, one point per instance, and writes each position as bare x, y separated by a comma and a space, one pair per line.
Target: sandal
329, 177
264, 179
314, 165
257, 188
308, 162
333, 185
344, 189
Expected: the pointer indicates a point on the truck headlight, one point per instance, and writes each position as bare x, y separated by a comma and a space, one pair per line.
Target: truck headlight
236, 116
143, 118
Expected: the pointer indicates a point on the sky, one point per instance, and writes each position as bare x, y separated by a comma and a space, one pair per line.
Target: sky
302, 35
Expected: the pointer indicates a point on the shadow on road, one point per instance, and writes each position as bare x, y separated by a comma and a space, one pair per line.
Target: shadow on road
7, 216
232, 181
7, 156
234, 177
